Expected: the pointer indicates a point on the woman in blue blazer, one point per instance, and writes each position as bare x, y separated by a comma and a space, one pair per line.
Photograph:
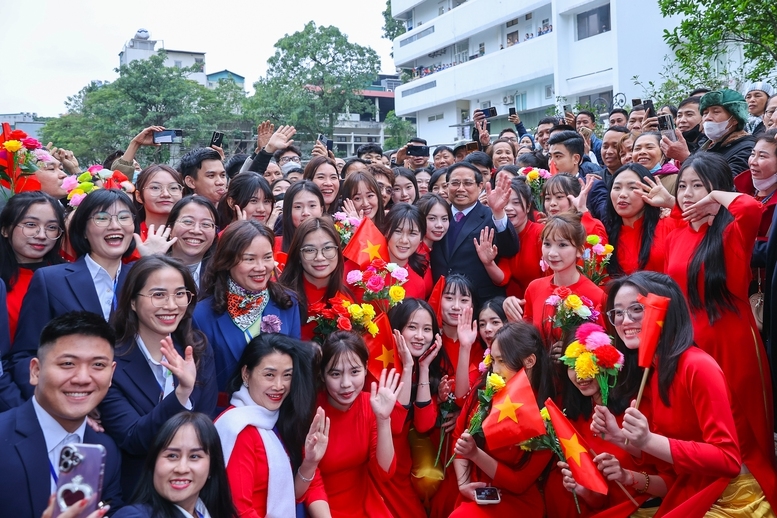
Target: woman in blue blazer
163, 366
101, 235
240, 299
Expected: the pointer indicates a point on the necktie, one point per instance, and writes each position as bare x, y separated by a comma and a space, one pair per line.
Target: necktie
458, 217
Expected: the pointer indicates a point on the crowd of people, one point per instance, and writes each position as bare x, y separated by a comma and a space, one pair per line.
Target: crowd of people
214, 329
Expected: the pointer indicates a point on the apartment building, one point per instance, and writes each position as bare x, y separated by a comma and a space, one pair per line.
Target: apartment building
530, 55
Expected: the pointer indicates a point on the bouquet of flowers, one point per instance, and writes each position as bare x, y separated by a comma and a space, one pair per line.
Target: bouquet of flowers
382, 283
536, 179
20, 153
78, 187
494, 383
596, 257
341, 314
592, 355
446, 408
345, 226
570, 310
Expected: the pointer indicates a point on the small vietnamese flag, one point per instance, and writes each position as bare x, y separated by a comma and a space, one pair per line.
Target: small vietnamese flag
576, 451
382, 348
652, 324
515, 416
366, 244
435, 298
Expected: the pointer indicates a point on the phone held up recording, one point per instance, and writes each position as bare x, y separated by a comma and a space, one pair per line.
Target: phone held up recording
81, 468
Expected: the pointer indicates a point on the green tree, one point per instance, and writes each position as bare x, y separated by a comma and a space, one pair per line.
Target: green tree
314, 75
391, 26
399, 131
708, 27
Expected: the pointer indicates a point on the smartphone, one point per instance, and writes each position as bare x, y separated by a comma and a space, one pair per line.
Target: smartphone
418, 151
172, 136
472, 147
81, 468
326, 141
217, 139
487, 496
489, 112
636, 102
511, 111
666, 127
567, 109
279, 197
650, 110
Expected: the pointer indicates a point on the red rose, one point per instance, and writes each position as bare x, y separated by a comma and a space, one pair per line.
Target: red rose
378, 264
315, 309
17, 135
563, 292
344, 324
341, 311
328, 313
607, 356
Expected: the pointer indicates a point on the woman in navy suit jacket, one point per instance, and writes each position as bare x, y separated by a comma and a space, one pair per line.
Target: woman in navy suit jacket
240, 299
163, 367
101, 235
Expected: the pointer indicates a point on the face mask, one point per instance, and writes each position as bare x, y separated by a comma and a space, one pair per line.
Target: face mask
716, 130
692, 134
765, 184
656, 167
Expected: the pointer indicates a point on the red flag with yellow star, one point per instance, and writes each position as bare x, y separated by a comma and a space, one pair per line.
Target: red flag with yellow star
515, 416
652, 325
576, 451
382, 348
366, 244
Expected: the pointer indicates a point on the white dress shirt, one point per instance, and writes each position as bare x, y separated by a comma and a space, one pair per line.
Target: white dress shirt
103, 284
162, 374
56, 437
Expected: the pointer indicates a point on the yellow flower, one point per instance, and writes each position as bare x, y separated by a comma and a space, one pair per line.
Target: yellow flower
372, 328
369, 311
533, 175
593, 239
487, 360
74, 192
355, 311
585, 366
397, 293
12, 146
545, 415
574, 350
496, 381
573, 302
608, 248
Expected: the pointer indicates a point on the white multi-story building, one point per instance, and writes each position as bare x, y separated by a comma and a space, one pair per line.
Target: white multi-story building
532, 55
141, 46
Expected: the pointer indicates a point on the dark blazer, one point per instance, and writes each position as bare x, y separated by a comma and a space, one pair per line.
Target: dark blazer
228, 341
133, 411
10, 396
25, 480
464, 259
139, 511
53, 290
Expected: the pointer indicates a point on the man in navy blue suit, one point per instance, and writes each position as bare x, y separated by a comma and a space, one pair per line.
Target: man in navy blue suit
71, 375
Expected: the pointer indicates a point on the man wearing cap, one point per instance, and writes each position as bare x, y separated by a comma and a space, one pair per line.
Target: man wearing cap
757, 96
724, 115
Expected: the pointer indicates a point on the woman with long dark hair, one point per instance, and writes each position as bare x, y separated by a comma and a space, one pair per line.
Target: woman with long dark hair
322, 171
517, 346
163, 366
249, 196
192, 224
404, 229
363, 191
405, 186
272, 441
303, 200
158, 188
186, 447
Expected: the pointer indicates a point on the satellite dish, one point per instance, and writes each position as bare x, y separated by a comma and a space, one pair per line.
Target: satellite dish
142, 34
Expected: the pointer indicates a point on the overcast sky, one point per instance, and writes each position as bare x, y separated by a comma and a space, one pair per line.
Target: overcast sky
53, 48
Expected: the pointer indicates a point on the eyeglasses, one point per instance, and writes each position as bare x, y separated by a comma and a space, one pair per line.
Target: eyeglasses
635, 313
159, 298
287, 159
310, 253
458, 183
156, 189
31, 229
123, 218
190, 224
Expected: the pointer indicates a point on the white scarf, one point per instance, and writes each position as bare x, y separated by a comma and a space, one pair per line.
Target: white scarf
280, 484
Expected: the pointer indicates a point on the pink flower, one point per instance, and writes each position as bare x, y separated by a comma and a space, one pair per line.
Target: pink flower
270, 324
69, 183
586, 329
543, 265
594, 315
76, 200
353, 277
31, 143
621, 359
596, 340
482, 367
354, 221
94, 168
375, 283
42, 155
399, 274
544, 173
553, 300
598, 249
340, 216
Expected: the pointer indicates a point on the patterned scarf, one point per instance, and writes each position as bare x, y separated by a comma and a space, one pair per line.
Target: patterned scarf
245, 307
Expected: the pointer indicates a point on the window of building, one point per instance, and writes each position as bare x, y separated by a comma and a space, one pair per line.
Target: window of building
372, 139
520, 102
528, 17
411, 39
485, 105
342, 139
548, 91
461, 52
357, 139
598, 101
481, 49
178, 64
441, 10
513, 38
512, 22
419, 88
438, 117
593, 22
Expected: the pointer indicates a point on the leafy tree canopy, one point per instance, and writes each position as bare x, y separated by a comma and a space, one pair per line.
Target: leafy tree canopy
399, 130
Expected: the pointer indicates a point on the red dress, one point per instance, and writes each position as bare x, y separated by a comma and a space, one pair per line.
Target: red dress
733, 340
416, 285
630, 240
15, 296
593, 227
350, 459
248, 474
313, 295
522, 268
702, 435
515, 477
426, 253
538, 313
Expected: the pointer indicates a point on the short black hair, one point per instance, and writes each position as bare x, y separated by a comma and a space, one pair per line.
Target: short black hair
571, 140
547, 120
417, 140
478, 174
562, 127
619, 129
508, 130
97, 201
84, 323
278, 154
479, 158
440, 149
587, 113
619, 110
700, 91
369, 148
532, 159
233, 165
638, 108
690, 100
192, 161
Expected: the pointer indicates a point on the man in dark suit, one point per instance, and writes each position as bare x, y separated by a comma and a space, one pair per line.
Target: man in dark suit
10, 396
71, 375
456, 252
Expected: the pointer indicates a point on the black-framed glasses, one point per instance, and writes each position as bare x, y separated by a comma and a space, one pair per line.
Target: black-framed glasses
635, 312
31, 229
182, 298
458, 183
123, 218
156, 189
287, 159
310, 253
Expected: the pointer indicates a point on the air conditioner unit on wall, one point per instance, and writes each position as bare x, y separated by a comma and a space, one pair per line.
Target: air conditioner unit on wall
508, 99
